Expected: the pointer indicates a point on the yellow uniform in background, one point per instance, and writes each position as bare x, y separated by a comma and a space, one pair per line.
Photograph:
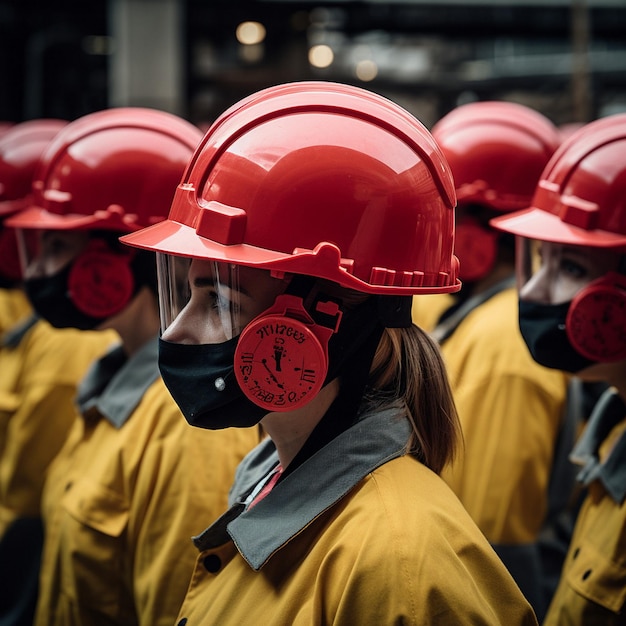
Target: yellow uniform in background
592, 588
124, 497
14, 307
40, 367
511, 411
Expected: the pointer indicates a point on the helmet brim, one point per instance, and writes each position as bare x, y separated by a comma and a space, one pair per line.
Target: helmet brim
534, 223
37, 218
171, 237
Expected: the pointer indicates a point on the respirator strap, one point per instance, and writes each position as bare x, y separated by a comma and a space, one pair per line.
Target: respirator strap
351, 352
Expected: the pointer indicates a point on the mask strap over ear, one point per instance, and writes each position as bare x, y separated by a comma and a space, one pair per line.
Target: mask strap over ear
395, 311
351, 354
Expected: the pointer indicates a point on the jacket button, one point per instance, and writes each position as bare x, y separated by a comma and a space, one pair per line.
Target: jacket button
586, 574
212, 563
182, 622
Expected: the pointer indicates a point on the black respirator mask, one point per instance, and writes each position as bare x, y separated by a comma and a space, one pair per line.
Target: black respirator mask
544, 331
96, 285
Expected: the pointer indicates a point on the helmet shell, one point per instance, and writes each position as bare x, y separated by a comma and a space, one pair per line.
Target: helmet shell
581, 196
21, 147
114, 170
322, 179
497, 151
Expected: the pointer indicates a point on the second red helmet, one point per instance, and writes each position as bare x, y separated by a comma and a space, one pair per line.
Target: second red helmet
496, 151
113, 170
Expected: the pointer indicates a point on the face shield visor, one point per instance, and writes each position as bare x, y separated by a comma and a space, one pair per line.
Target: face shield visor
209, 302
553, 273
204, 306
12, 260
44, 253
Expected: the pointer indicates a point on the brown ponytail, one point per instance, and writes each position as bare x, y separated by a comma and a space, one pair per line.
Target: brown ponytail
408, 366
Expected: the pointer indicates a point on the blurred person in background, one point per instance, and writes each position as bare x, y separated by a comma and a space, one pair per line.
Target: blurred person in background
572, 312
309, 216
19, 154
40, 367
512, 410
123, 496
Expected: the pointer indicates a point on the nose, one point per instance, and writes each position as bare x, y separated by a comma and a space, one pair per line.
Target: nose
537, 288
36, 268
191, 326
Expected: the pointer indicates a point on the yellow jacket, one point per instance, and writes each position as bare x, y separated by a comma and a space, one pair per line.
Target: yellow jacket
14, 307
124, 496
511, 410
357, 534
40, 367
592, 588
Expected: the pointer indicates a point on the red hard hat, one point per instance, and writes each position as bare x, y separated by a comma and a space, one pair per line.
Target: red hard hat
21, 147
113, 169
321, 179
581, 196
496, 151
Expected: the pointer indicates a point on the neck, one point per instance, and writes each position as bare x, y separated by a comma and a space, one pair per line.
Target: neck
138, 323
290, 430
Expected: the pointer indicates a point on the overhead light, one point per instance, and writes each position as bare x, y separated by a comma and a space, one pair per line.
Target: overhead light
250, 33
321, 55
366, 70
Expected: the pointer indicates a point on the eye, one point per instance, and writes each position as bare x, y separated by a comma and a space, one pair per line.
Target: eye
54, 246
573, 268
222, 303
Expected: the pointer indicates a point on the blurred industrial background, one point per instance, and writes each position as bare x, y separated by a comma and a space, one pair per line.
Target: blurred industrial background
66, 58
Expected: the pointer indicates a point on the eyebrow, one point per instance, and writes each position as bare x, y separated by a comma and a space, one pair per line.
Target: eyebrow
575, 251
205, 281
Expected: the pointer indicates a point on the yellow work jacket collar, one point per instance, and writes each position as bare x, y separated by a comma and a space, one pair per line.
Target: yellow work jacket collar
115, 384
611, 471
312, 488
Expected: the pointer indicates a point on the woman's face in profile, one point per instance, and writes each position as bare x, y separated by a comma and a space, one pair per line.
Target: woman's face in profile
222, 299
557, 272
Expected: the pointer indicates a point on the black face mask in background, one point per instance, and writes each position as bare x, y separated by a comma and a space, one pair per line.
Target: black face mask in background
50, 299
543, 329
190, 373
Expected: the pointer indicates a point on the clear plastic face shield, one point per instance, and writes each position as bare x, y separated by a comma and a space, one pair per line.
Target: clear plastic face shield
209, 302
44, 253
553, 273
